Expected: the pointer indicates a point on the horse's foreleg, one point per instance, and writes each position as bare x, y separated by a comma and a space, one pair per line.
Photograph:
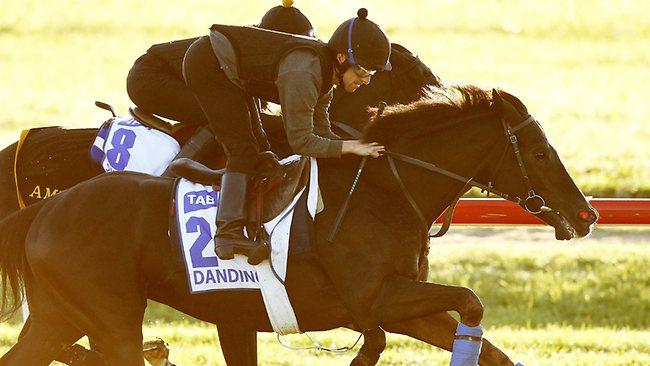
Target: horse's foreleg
438, 330
401, 298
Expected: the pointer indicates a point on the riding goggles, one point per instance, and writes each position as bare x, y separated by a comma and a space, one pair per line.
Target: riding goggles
362, 72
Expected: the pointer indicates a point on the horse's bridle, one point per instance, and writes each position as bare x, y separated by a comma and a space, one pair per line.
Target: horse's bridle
533, 203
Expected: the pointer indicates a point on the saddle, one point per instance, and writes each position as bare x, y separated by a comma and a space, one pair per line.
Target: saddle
152, 121
273, 188
180, 131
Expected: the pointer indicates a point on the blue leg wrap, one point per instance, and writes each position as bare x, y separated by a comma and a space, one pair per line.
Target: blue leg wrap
467, 346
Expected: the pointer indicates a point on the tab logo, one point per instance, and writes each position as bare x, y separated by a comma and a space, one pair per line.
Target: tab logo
199, 200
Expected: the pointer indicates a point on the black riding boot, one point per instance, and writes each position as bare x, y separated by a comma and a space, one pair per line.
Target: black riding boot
231, 219
193, 147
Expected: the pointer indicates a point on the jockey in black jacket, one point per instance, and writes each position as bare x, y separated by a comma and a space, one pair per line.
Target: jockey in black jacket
234, 63
155, 82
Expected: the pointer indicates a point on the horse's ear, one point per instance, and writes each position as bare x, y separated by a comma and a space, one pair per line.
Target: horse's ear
497, 101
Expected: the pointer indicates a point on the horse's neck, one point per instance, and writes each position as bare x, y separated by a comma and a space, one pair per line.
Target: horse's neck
462, 151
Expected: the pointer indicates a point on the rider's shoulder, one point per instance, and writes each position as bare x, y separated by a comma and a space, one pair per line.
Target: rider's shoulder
300, 59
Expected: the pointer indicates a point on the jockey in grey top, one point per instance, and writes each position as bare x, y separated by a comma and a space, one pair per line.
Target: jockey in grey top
234, 63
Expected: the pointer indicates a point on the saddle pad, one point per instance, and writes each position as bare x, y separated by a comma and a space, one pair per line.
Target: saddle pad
124, 144
49, 160
196, 209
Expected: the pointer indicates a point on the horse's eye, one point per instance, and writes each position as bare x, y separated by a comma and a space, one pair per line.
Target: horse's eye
540, 156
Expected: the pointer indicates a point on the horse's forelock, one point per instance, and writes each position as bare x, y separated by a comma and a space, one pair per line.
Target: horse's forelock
437, 105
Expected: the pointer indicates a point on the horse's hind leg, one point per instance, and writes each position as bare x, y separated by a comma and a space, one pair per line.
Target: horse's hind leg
40, 343
75, 354
120, 338
113, 316
239, 346
439, 330
123, 347
112, 319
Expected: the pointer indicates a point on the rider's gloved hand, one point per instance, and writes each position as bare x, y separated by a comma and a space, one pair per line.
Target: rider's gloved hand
268, 164
360, 148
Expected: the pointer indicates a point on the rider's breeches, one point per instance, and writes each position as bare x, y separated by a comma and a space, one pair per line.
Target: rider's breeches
153, 86
225, 105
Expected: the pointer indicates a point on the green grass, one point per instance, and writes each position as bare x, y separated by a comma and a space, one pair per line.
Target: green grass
580, 66
197, 344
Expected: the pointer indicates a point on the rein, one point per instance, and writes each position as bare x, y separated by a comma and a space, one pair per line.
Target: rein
533, 203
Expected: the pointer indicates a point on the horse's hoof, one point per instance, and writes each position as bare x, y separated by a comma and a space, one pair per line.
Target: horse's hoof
156, 352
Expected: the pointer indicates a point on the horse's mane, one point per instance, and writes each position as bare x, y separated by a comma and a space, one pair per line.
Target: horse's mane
440, 104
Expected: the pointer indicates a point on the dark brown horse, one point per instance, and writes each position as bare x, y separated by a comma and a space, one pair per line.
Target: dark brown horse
69, 147
89, 264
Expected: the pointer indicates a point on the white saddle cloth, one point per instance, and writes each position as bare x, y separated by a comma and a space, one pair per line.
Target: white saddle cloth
196, 208
130, 146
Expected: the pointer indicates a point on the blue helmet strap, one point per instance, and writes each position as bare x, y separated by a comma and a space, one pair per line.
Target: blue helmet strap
350, 51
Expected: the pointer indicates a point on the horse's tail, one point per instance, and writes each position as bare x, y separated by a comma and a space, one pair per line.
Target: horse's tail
13, 231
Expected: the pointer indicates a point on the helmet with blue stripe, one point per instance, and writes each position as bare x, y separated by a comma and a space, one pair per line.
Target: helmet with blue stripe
363, 42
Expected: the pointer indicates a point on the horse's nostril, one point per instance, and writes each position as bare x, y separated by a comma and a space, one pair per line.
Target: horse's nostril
587, 215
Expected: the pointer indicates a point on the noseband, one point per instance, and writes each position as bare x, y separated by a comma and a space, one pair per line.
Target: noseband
533, 203
533, 200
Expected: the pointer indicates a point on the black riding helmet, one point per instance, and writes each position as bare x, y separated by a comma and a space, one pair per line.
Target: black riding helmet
286, 18
364, 43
